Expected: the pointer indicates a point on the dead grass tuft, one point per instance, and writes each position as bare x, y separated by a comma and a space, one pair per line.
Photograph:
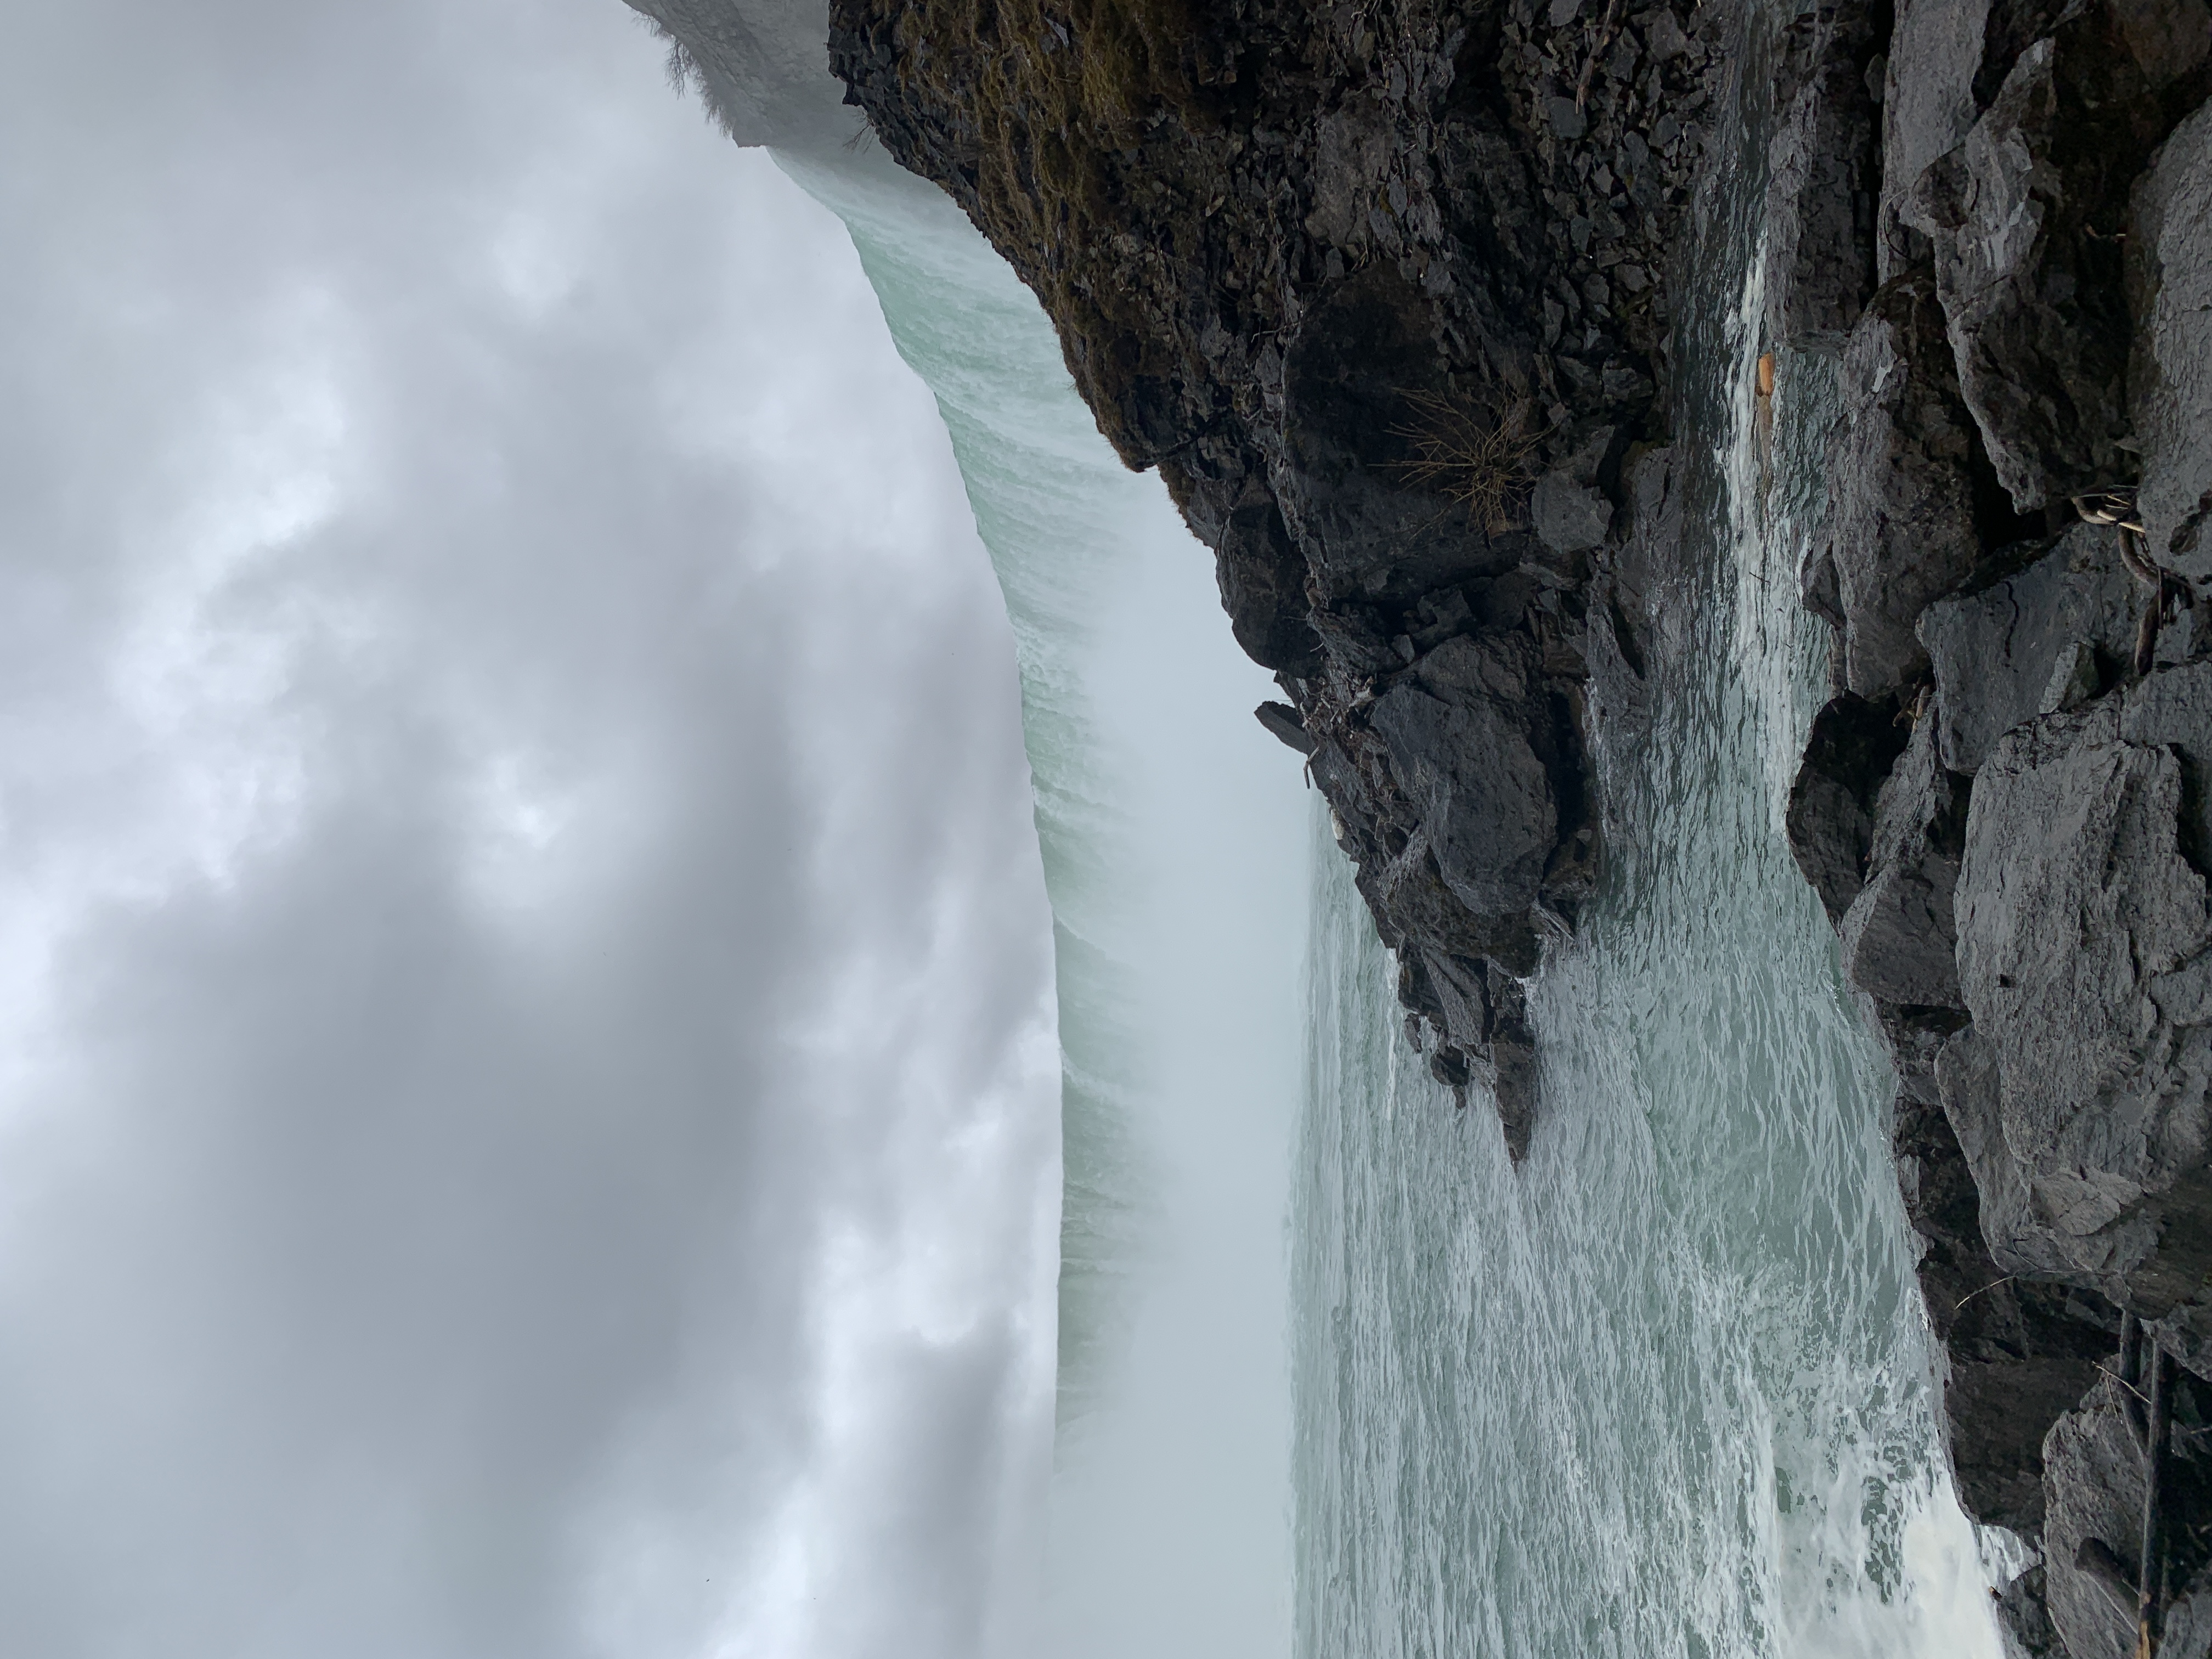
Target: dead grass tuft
1475, 459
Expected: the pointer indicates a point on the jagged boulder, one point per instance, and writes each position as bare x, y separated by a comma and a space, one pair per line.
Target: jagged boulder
2016, 1353
1997, 652
2171, 375
2092, 1525
1484, 1043
2029, 215
1901, 515
1829, 819
2085, 958
2092, 1530
1928, 104
1460, 748
1363, 497
1261, 571
1822, 174
2024, 1629
1897, 933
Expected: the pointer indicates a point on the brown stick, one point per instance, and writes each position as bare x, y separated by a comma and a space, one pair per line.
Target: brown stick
2131, 1396
2150, 1615
2135, 557
1607, 30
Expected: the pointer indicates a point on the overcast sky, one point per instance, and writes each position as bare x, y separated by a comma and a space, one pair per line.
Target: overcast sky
523, 980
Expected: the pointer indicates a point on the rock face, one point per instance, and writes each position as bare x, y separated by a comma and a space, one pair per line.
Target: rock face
1382, 292
1901, 527
2093, 1476
1898, 932
2170, 377
1853, 743
2083, 931
2020, 886
1823, 175
2051, 637
2018, 1353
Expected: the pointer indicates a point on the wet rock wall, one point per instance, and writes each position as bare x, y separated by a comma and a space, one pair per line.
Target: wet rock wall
2004, 807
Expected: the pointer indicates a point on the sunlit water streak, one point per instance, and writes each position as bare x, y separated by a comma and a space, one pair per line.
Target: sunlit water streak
1667, 1388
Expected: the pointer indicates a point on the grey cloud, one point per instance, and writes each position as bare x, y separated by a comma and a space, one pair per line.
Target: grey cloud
436, 1192
941, 1487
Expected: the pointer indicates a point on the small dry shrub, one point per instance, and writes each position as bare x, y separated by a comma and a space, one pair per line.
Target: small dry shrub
1475, 459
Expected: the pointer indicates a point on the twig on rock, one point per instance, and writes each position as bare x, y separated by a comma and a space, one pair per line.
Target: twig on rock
2150, 1615
1995, 1284
2132, 1399
1607, 30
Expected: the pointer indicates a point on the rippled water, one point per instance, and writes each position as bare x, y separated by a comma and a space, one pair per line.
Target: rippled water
1666, 1389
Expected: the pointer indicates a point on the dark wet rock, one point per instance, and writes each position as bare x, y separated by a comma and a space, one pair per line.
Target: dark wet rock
1928, 105
2093, 1500
1996, 652
1822, 179
2170, 376
1481, 1015
1829, 819
1902, 530
1284, 722
1262, 579
1511, 1063
1346, 473
2015, 1353
1569, 516
2029, 215
1459, 748
2092, 1528
2024, 1629
2085, 956
1897, 933
1916, 1034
